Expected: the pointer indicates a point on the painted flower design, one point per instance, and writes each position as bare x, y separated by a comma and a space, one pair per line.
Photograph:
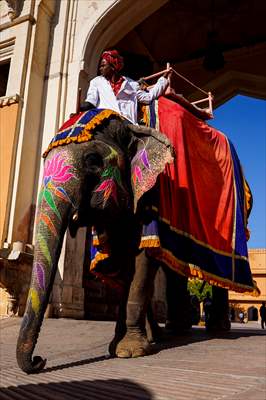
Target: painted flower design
56, 173
111, 177
143, 157
139, 161
137, 174
56, 170
108, 187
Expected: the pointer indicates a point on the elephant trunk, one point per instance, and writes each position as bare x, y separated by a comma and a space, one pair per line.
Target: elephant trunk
37, 302
52, 219
30, 328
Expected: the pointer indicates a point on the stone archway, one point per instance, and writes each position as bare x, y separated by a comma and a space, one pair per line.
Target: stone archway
124, 15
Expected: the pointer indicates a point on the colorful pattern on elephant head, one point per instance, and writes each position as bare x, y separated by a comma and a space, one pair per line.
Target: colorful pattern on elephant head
56, 172
111, 179
108, 187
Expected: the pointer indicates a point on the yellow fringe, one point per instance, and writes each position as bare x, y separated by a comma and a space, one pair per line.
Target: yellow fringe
86, 134
194, 272
98, 257
95, 241
149, 242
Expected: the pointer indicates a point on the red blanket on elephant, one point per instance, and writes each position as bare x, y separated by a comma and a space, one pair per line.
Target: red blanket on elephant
202, 210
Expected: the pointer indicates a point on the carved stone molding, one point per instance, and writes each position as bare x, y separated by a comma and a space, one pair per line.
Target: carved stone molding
8, 100
14, 8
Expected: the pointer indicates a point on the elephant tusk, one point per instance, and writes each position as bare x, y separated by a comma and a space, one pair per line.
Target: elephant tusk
75, 216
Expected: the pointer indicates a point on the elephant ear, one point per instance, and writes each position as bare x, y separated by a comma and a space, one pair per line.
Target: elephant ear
152, 151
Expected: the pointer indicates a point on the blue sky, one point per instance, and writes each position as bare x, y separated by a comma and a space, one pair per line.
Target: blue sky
243, 120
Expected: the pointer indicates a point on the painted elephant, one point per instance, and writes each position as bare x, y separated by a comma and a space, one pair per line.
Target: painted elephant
89, 183
109, 181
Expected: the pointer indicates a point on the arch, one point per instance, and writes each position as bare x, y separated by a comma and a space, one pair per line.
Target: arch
124, 15
253, 314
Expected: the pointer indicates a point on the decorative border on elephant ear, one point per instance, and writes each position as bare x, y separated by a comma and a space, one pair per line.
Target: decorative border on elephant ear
150, 160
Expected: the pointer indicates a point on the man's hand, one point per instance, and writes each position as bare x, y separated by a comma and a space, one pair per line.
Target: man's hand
170, 91
86, 106
168, 73
72, 115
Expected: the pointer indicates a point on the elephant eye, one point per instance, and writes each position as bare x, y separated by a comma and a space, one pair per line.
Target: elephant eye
93, 163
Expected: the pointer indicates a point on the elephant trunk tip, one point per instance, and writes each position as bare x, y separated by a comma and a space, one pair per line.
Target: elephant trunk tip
31, 366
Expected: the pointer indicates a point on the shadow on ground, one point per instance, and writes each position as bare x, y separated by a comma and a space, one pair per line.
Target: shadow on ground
167, 342
199, 335
74, 364
111, 389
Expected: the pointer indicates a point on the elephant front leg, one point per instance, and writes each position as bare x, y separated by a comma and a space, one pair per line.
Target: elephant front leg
135, 342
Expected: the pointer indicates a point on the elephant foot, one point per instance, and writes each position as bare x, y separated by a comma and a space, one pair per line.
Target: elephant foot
113, 345
134, 344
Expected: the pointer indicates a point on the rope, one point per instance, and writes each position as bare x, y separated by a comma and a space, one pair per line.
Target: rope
178, 74
191, 83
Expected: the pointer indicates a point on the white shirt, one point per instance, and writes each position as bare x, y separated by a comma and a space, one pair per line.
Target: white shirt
101, 95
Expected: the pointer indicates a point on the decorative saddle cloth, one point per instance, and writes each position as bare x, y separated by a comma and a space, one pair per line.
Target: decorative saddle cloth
200, 213
204, 201
80, 127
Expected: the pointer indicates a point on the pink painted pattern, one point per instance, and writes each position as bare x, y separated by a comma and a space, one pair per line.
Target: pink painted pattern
56, 175
56, 171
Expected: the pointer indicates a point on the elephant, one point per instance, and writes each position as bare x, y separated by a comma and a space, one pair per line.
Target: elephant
84, 184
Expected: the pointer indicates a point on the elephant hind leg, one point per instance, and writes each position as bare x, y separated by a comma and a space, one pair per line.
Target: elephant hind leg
154, 331
135, 342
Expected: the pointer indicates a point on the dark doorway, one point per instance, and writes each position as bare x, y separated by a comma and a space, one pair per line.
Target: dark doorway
4, 72
253, 314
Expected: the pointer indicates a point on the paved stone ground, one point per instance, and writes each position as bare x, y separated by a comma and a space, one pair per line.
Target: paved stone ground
197, 366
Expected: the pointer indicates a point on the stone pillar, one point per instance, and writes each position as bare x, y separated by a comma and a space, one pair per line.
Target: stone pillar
12, 304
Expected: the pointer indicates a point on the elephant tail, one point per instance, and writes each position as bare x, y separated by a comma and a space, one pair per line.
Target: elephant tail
54, 207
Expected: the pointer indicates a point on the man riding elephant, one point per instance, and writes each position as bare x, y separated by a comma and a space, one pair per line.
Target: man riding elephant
113, 91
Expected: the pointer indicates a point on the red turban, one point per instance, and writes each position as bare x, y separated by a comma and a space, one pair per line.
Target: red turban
114, 59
